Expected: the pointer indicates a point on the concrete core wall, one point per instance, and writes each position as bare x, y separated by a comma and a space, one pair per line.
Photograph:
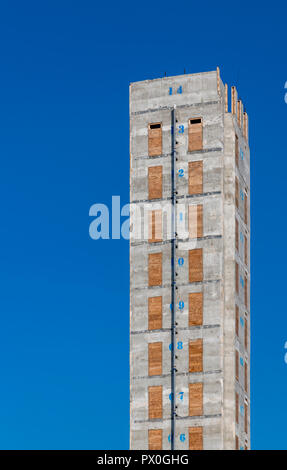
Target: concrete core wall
152, 101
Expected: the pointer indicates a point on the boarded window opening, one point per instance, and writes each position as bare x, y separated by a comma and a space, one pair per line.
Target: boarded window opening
155, 358
195, 177
246, 334
246, 377
236, 443
236, 192
236, 277
155, 313
246, 292
155, 269
246, 251
237, 408
237, 365
246, 209
236, 234
236, 151
246, 418
155, 439
195, 309
196, 438
196, 399
155, 139
155, 402
155, 182
195, 355
195, 221
155, 226
195, 265
195, 134
237, 320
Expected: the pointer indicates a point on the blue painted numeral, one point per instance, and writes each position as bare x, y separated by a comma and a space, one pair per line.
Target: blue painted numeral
179, 346
179, 90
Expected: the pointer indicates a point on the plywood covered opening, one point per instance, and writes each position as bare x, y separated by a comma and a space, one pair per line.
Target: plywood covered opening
155, 139
155, 358
196, 438
195, 265
155, 402
195, 134
155, 182
196, 399
196, 356
155, 439
155, 269
195, 309
155, 313
195, 177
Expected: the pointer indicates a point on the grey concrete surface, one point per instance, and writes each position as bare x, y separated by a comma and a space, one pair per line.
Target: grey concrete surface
150, 101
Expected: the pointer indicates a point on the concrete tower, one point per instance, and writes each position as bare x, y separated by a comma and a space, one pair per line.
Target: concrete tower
189, 265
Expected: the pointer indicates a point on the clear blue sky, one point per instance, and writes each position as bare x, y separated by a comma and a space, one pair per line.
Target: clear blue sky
64, 302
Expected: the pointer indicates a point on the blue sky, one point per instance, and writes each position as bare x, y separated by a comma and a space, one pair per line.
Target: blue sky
65, 71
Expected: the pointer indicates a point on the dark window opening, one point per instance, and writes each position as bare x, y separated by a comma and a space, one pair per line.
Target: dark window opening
195, 121
155, 126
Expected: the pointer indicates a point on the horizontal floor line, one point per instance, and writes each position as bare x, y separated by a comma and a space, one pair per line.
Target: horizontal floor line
209, 193
211, 281
182, 374
177, 417
164, 330
165, 108
178, 240
188, 153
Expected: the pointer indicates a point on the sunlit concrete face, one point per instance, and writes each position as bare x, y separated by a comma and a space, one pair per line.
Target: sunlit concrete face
224, 327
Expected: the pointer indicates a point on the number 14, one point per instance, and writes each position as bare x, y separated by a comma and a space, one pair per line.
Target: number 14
179, 90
